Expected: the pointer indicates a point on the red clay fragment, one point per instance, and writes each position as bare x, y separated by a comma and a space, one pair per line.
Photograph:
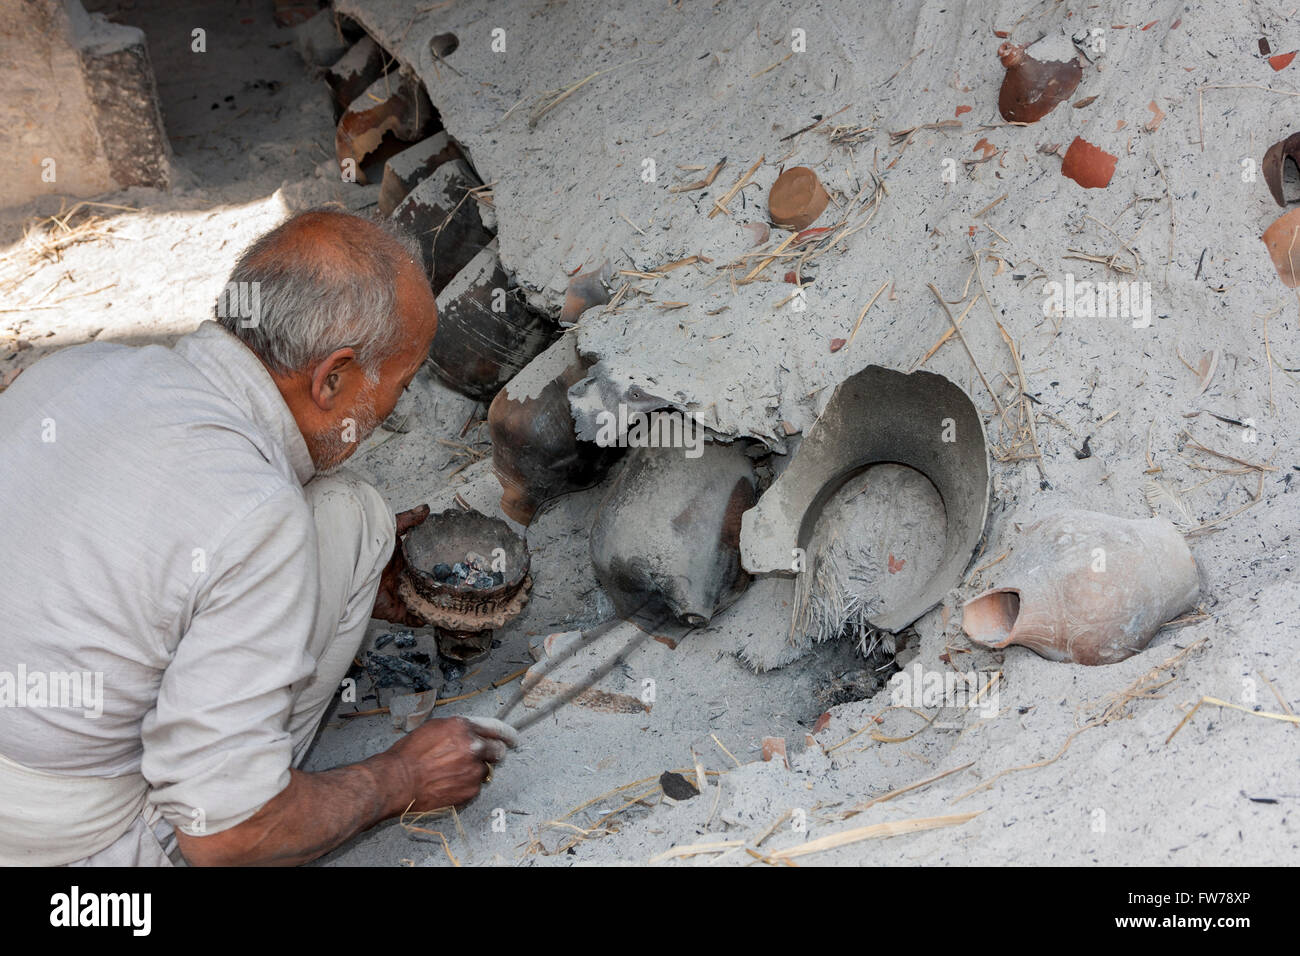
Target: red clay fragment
1283, 241
775, 747
822, 722
837, 344
1087, 165
1282, 60
963, 109
1002, 34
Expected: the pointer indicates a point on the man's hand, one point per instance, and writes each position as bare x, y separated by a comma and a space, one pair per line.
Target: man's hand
440, 764
388, 606
448, 759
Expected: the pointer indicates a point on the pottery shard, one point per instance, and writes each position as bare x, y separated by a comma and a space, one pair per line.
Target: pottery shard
774, 747
1283, 241
485, 335
446, 220
1086, 587
411, 166
354, 72
1032, 88
1087, 165
797, 198
396, 105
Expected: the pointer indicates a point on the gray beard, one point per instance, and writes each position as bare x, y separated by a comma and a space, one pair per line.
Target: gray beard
332, 450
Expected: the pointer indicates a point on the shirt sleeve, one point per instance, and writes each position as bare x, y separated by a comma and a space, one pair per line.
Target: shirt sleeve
217, 746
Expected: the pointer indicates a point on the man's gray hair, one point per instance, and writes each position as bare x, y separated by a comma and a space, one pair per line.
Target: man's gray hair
293, 304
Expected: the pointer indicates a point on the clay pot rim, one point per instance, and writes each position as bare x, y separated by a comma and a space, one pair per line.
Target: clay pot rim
1011, 633
450, 595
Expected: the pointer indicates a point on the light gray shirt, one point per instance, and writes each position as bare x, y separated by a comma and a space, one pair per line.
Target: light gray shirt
153, 530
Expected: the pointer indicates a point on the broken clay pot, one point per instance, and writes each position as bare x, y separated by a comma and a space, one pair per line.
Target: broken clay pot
1087, 587
446, 220
1088, 165
406, 170
1283, 241
485, 333
666, 540
797, 198
360, 66
1032, 88
1274, 165
395, 105
536, 453
871, 418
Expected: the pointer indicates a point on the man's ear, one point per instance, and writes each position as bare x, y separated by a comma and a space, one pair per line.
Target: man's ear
327, 378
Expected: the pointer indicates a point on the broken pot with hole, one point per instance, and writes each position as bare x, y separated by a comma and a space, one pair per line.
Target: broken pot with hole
536, 452
666, 540
1087, 587
878, 415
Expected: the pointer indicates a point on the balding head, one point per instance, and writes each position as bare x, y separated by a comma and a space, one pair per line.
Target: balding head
324, 280
339, 310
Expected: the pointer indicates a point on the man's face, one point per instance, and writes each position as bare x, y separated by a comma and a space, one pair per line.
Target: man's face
366, 399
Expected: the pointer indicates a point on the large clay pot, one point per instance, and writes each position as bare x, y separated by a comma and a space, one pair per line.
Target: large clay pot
1087, 587
666, 540
536, 452
485, 335
1032, 88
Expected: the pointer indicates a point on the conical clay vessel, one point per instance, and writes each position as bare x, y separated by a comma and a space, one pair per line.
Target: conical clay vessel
1087, 587
666, 541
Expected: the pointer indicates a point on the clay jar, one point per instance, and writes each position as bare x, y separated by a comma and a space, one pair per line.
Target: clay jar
797, 198
536, 453
1283, 241
1087, 587
1032, 88
666, 540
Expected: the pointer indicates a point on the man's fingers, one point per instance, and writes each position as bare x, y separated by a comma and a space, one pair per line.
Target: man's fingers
406, 520
498, 729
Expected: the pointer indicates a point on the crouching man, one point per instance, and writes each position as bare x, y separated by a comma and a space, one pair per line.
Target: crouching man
171, 535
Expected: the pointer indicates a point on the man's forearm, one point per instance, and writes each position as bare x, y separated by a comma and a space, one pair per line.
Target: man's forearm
310, 817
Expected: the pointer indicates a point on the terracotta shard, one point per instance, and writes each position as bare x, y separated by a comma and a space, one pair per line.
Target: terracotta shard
1087, 165
1032, 88
536, 453
1087, 587
1274, 165
797, 198
1281, 61
1283, 241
